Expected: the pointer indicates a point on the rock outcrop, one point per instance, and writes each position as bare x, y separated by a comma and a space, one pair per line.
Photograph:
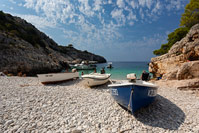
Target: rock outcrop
25, 49
182, 60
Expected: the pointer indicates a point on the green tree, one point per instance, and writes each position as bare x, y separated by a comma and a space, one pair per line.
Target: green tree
173, 37
70, 45
191, 15
189, 18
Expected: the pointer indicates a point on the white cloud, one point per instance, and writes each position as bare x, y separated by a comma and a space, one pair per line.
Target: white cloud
54, 10
72, 12
149, 3
145, 3
175, 4
12, 1
109, 1
85, 8
131, 16
120, 3
93, 22
141, 13
142, 3
147, 41
97, 5
39, 22
29, 3
101, 19
118, 15
157, 7
20, 4
133, 4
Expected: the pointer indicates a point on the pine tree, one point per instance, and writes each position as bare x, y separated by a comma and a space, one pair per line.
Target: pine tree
191, 15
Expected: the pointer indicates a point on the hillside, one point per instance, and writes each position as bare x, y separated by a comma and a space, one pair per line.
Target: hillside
23, 48
181, 62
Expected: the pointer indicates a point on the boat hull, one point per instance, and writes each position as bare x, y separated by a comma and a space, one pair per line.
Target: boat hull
133, 97
95, 81
57, 77
83, 67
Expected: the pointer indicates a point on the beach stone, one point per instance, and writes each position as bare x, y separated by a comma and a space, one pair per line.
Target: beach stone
114, 130
9, 122
67, 131
15, 128
76, 131
173, 110
49, 131
105, 131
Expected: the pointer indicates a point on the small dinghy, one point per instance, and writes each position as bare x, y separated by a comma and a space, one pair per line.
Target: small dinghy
95, 79
57, 77
133, 95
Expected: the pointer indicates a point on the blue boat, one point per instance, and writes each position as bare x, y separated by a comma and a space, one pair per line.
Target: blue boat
133, 95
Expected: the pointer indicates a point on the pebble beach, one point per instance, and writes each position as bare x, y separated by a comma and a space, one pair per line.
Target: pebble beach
26, 105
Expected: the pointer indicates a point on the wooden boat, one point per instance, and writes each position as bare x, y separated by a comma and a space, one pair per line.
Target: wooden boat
133, 95
57, 77
95, 79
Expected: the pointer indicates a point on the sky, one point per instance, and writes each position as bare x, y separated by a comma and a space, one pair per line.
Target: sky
119, 30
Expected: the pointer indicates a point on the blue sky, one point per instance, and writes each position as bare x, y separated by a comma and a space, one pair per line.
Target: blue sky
119, 30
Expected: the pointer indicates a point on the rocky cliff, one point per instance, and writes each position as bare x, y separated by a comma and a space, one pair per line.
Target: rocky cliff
23, 48
182, 60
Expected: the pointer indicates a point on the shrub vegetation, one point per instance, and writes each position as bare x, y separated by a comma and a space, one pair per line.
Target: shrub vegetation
15, 28
189, 18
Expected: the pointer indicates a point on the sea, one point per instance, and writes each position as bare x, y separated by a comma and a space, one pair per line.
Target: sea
121, 69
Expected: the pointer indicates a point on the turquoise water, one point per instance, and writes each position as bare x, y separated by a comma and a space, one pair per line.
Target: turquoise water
121, 69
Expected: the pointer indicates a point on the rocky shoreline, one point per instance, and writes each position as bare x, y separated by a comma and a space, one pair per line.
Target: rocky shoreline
182, 60
28, 106
25, 49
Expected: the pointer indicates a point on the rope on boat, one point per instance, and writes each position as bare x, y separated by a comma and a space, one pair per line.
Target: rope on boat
129, 106
111, 81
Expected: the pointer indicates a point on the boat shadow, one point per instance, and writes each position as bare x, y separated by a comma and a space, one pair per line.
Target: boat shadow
161, 113
101, 87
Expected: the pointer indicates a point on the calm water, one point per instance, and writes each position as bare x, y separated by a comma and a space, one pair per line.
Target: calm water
121, 69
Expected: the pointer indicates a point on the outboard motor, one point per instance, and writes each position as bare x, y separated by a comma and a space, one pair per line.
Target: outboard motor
131, 77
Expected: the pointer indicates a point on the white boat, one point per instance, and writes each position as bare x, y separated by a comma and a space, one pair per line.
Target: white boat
110, 65
95, 79
85, 66
57, 77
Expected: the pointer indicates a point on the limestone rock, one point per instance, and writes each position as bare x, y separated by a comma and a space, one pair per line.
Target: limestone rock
181, 62
23, 48
188, 70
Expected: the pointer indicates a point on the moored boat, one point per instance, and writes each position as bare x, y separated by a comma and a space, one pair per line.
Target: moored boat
110, 65
57, 77
84, 66
95, 79
133, 95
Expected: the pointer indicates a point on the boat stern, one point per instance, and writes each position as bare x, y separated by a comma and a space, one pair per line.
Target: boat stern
133, 96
